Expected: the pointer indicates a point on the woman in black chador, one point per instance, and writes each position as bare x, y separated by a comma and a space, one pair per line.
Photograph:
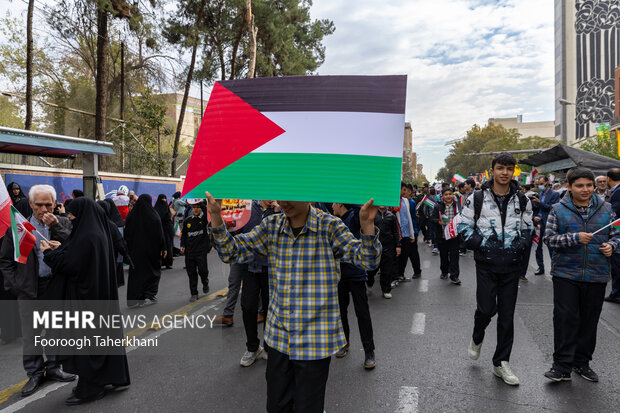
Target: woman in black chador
116, 224
145, 241
86, 264
163, 210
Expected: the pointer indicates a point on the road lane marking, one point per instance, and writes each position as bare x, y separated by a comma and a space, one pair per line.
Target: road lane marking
408, 398
38, 395
9, 391
419, 322
423, 287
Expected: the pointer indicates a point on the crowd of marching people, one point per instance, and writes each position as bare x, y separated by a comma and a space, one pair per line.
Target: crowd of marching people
300, 264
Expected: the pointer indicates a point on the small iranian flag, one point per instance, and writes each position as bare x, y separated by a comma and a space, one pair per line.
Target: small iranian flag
458, 178
616, 224
23, 239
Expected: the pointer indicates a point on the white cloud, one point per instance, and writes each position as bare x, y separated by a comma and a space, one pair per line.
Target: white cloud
466, 60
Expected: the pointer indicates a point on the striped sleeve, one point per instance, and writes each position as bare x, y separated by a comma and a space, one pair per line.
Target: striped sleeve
241, 248
364, 253
555, 240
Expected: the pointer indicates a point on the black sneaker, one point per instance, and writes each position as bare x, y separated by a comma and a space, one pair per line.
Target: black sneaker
205, 288
587, 373
370, 361
416, 275
539, 271
523, 278
455, 280
443, 276
557, 376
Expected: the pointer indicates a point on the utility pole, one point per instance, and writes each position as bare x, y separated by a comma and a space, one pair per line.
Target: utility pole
201, 109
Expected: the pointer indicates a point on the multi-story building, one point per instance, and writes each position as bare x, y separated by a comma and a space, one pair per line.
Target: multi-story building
544, 129
412, 170
192, 118
587, 50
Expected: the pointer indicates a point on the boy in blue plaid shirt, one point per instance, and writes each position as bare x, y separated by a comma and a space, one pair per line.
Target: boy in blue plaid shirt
580, 270
304, 248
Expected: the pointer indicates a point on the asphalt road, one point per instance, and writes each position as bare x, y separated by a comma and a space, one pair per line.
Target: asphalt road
421, 337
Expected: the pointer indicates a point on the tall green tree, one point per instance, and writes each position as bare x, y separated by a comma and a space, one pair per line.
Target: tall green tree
605, 144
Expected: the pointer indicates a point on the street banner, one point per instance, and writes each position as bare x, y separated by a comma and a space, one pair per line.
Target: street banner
5, 208
301, 138
536, 238
23, 239
450, 231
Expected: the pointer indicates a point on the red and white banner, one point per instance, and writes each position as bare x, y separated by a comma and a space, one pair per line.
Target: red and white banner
23, 239
5, 208
450, 231
536, 238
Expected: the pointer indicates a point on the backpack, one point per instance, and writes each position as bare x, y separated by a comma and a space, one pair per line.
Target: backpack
479, 199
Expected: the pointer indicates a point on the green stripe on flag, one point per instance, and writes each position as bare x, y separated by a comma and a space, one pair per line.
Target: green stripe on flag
16, 252
307, 177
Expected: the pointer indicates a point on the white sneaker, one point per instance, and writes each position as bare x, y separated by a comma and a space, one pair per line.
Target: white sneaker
387, 295
505, 373
250, 357
474, 350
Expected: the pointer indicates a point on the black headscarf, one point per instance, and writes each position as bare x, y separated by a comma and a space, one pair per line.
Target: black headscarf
15, 198
117, 239
143, 223
87, 257
162, 209
112, 212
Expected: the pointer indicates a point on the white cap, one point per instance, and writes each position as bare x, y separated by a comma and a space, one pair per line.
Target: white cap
123, 189
194, 201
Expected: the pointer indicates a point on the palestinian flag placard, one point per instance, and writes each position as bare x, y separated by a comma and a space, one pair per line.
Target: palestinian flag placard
302, 138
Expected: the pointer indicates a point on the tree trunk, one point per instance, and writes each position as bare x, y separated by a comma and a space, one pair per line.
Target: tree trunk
101, 79
252, 31
29, 52
188, 83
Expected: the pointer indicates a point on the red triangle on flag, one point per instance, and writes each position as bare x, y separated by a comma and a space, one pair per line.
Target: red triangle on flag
230, 129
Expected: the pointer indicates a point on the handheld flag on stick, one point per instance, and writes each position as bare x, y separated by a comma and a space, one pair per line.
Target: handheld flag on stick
458, 178
301, 138
616, 224
23, 240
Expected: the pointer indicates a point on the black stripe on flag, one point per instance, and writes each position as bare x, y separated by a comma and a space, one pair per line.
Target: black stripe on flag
377, 94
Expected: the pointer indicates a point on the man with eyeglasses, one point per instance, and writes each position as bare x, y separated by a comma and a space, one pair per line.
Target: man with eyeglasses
30, 281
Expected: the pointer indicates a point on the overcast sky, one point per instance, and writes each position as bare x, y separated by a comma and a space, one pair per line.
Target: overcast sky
466, 60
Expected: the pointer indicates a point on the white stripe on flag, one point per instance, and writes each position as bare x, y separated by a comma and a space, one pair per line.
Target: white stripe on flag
372, 134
